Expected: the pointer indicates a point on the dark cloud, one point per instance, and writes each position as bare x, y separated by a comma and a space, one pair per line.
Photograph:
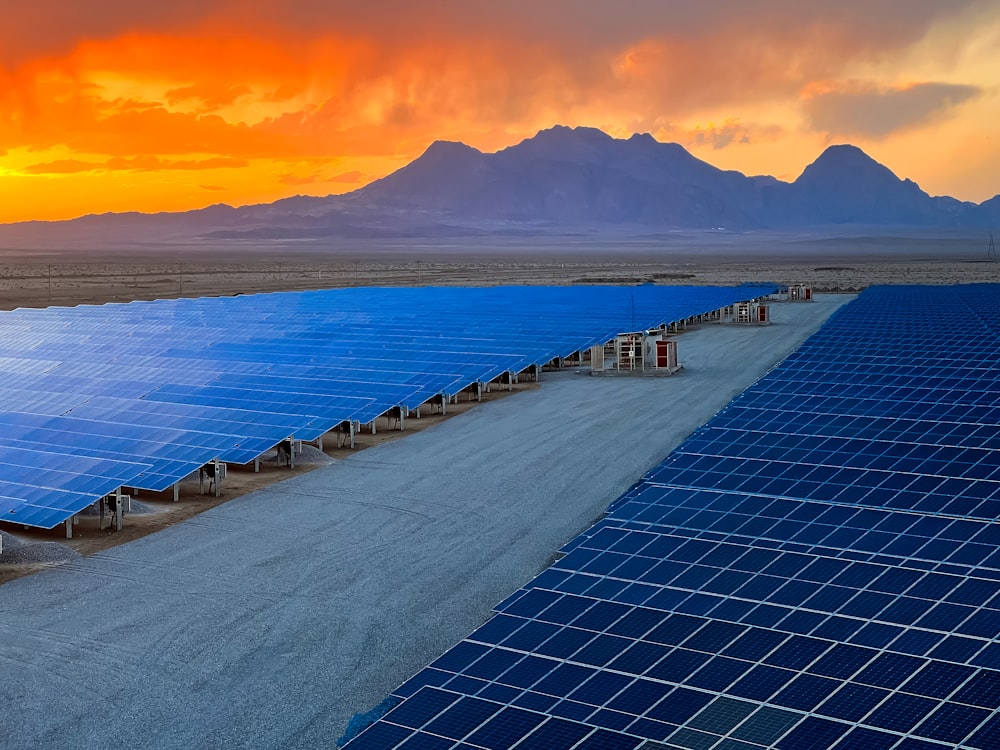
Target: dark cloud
44, 27
859, 108
49, 27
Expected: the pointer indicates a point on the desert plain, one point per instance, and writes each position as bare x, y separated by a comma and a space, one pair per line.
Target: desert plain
67, 272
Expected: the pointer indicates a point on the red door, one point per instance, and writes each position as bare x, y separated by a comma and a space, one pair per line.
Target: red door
661, 354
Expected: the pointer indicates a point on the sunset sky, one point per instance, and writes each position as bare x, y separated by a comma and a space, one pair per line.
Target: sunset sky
117, 105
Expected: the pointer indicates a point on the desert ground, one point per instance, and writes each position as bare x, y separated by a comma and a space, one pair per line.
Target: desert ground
27, 550
42, 276
269, 616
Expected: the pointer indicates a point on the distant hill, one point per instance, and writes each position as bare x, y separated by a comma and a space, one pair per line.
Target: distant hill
563, 180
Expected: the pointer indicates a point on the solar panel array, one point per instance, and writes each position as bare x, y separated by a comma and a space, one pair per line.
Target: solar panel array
816, 568
142, 394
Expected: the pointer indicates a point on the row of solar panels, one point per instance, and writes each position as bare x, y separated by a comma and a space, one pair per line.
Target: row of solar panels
803, 573
142, 394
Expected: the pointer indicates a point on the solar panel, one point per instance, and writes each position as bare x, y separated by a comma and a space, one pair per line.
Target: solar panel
165, 386
817, 567
43, 488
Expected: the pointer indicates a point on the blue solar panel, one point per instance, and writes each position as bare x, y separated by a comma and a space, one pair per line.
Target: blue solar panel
248, 372
817, 567
42, 488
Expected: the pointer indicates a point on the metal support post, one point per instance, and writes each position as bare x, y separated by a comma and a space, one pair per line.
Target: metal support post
119, 509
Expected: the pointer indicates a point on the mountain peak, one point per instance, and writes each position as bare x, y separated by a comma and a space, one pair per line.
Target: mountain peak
845, 163
560, 141
581, 132
847, 186
643, 138
448, 150
844, 151
444, 155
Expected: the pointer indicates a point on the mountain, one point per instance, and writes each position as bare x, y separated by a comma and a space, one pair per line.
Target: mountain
564, 180
578, 177
846, 186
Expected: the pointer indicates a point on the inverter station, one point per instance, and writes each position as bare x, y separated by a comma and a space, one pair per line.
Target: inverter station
816, 568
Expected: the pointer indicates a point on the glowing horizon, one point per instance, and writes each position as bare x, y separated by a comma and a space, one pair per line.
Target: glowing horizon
117, 108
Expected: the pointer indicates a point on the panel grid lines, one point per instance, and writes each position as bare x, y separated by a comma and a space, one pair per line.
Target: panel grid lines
817, 567
171, 385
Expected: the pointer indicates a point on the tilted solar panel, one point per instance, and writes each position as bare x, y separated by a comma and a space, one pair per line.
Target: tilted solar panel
818, 567
237, 375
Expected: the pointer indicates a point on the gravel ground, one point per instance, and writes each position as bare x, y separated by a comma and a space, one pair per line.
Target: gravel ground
37, 552
269, 620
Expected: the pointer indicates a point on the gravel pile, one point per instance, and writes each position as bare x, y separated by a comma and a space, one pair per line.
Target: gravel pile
310, 454
36, 552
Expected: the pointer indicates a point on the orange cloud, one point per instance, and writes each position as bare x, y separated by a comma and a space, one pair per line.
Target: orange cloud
353, 177
62, 166
349, 177
208, 97
138, 164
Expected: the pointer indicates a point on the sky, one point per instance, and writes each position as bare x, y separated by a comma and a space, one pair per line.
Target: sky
117, 105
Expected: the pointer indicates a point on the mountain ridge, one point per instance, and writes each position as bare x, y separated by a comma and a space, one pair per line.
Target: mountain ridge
564, 180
